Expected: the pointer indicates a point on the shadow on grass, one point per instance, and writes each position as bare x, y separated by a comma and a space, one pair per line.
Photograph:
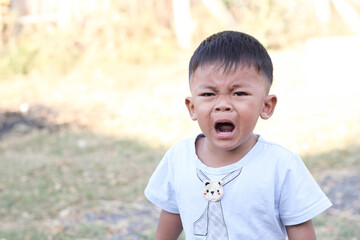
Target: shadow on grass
37, 117
338, 174
348, 157
67, 183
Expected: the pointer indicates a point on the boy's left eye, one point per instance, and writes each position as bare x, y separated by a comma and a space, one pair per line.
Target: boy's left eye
241, 94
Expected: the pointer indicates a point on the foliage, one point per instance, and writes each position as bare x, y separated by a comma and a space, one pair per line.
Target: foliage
17, 60
140, 32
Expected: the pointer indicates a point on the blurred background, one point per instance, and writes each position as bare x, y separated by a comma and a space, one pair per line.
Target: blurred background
92, 94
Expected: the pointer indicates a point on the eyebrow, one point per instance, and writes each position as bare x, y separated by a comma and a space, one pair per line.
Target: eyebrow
243, 85
206, 86
232, 87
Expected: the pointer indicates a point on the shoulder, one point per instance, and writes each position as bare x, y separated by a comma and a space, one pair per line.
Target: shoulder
278, 154
275, 148
181, 151
184, 146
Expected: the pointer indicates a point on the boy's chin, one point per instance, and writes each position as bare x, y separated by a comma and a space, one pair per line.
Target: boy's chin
226, 145
232, 143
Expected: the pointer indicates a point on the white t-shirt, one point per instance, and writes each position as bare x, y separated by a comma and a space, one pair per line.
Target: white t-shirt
273, 190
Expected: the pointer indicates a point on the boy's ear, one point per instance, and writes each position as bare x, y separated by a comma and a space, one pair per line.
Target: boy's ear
191, 108
269, 107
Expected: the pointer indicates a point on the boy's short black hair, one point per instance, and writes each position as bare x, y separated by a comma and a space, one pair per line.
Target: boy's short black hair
229, 49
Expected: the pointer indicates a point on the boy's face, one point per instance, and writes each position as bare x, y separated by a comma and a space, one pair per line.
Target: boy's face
228, 105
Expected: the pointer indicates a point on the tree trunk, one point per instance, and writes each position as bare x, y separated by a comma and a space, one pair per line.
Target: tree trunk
348, 14
182, 22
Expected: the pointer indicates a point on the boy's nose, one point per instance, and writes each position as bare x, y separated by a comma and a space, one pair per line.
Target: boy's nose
223, 105
224, 108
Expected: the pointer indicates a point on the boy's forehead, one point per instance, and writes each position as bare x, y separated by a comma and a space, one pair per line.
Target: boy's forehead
224, 68
221, 69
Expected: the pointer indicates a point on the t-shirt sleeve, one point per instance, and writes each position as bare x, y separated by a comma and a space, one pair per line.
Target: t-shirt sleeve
160, 189
301, 197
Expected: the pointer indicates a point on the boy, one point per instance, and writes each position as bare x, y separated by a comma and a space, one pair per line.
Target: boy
228, 183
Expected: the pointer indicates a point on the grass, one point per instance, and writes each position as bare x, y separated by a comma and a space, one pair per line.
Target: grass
336, 228
81, 231
336, 224
45, 174
342, 158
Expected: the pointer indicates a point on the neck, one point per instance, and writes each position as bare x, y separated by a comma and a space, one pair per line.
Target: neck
217, 157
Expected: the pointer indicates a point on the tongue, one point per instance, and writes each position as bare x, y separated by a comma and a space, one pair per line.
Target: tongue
225, 127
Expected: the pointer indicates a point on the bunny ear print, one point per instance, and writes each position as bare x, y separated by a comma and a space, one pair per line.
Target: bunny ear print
231, 176
201, 175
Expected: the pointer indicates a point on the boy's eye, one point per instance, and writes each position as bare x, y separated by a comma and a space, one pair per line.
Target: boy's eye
207, 94
241, 94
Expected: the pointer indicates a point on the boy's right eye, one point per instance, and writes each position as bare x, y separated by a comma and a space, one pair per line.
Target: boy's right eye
207, 94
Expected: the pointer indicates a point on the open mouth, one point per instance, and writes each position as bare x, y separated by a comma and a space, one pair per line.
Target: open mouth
224, 127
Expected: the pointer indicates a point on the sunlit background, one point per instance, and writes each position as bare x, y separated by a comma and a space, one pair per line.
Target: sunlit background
92, 94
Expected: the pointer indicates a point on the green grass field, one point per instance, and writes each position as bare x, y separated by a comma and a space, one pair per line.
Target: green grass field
48, 176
